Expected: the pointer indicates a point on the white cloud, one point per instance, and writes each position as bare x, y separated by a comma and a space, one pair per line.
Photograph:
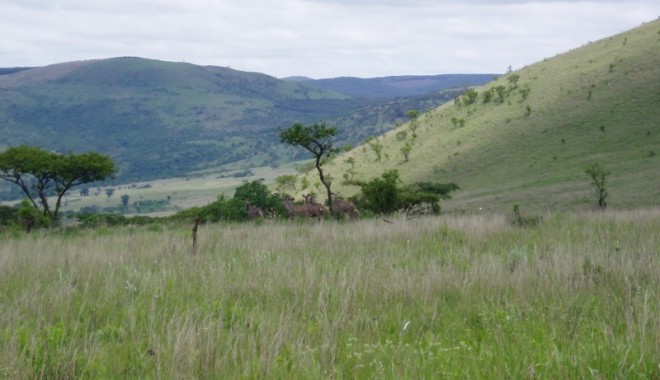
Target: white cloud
317, 38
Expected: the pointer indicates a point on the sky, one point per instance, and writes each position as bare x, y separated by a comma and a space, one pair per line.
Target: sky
313, 38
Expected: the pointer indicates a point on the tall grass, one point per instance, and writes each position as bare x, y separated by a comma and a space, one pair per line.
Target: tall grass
449, 297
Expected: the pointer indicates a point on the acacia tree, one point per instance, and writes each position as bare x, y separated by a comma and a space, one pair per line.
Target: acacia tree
41, 174
317, 139
598, 175
376, 146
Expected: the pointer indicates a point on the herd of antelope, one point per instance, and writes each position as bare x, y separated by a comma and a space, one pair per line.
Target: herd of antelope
310, 208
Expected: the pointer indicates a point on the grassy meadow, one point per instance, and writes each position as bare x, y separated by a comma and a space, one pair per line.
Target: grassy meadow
457, 296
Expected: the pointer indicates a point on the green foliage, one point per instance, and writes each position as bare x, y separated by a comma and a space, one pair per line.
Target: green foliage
304, 183
124, 200
234, 209
501, 92
380, 195
406, 150
376, 146
525, 90
255, 193
316, 138
598, 175
513, 80
350, 172
488, 95
8, 215
30, 217
40, 174
470, 96
224, 209
286, 182
387, 195
441, 189
412, 114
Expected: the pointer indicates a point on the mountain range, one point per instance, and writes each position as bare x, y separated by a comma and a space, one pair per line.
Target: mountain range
161, 119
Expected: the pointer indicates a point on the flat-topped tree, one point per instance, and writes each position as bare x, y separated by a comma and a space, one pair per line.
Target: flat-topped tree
317, 139
41, 174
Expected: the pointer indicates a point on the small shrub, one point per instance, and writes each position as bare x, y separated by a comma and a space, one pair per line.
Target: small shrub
470, 96
517, 219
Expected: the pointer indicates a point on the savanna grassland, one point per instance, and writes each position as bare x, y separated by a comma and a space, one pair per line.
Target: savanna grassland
573, 295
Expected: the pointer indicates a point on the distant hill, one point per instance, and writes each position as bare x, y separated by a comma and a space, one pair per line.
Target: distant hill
397, 86
528, 136
161, 119
12, 70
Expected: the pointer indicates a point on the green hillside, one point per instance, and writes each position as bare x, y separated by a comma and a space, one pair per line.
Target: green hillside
161, 119
599, 103
157, 119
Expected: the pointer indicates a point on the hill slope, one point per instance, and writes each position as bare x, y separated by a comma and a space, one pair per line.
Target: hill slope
598, 103
155, 118
163, 119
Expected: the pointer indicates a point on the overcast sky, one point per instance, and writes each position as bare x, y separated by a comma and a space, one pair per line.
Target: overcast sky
314, 38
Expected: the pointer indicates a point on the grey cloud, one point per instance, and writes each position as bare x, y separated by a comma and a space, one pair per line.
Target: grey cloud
317, 38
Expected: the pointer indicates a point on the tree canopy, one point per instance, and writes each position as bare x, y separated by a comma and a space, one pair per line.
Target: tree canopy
317, 139
387, 194
41, 174
598, 175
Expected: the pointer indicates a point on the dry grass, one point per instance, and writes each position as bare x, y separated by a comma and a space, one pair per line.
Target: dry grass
468, 296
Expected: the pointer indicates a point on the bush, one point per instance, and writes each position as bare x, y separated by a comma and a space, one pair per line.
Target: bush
387, 195
8, 216
30, 217
257, 194
470, 96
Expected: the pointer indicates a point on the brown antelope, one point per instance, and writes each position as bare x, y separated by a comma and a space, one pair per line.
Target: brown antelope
315, 209
307, 210
254, 212
342, 206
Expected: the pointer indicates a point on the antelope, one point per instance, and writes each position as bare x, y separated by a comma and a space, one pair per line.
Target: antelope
342, 206
315, 209
307, 210
254, 212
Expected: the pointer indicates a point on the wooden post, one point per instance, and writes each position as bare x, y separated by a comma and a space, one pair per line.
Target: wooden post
194, 234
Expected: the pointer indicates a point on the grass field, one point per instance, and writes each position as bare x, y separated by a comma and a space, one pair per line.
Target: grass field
456, 296
170, 195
